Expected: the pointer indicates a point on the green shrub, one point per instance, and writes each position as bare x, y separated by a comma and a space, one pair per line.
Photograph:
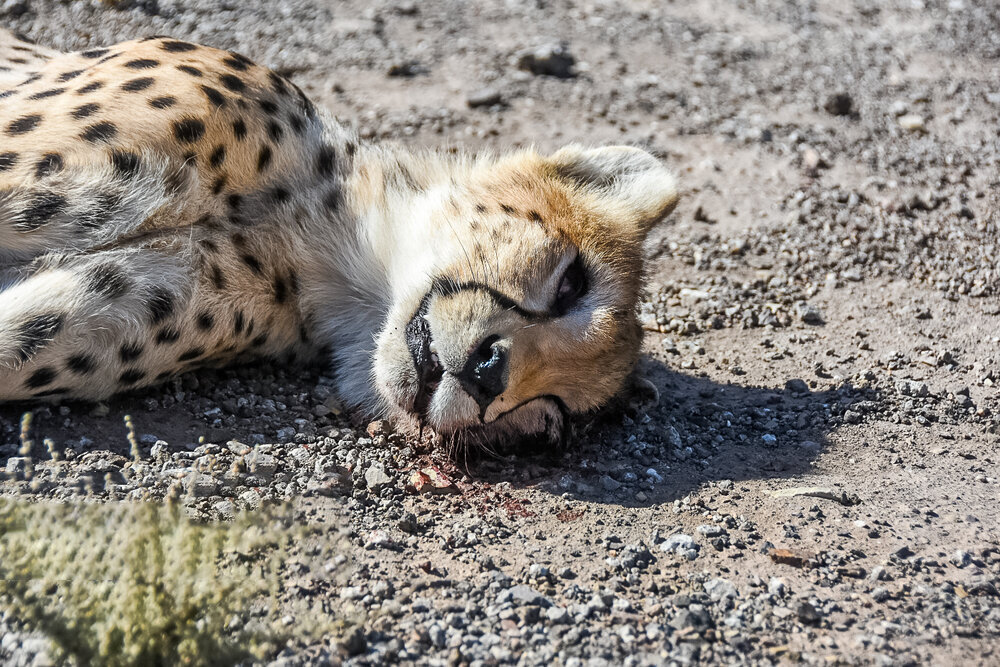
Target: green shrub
141, 584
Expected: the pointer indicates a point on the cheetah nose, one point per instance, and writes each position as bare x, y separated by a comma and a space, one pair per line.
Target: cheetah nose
484, 376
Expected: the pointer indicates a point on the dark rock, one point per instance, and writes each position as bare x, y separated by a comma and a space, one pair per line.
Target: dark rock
355, 643
839, 104
797, 386
405, 68
808, 614
549, 59
485, 97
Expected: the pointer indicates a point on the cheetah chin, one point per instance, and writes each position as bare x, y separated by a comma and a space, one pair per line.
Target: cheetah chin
166, 205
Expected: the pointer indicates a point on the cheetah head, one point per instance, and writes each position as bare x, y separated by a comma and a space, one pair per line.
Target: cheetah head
522, 310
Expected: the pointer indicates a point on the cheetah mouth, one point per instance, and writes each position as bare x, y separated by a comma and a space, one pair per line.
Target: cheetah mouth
425, 358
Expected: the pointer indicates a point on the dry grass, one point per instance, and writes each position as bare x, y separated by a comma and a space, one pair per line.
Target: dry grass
141, 584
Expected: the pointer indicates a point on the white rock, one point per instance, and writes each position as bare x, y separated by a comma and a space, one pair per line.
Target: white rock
912, 123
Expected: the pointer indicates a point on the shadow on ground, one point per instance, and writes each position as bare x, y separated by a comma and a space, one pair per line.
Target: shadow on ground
697, 432
651, 448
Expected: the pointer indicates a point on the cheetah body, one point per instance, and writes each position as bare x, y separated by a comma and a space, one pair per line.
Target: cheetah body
165, 205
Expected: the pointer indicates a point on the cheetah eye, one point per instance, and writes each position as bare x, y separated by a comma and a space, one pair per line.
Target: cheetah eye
572, 286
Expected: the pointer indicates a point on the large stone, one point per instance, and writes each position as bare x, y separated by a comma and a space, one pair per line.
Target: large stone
376, 477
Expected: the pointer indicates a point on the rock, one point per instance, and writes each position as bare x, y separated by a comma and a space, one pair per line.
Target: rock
777, 587
912, 123
405, 68
300, 455
238, 448
431, 480
408, 523
635, 556
557, 615
797, 386
912, 388
285, 434
18, 467
961, 558
484, 97
201, 485
880, 594
808, 313
608, 483
526, 595
898, 108
842, 497
379, 539
839, 104
226, 509
549, 59
720, 589
710, 530
263, 465
788, 557
674, 438
437, 636
355, 642
681, 545
808, 614
813, 161
700, 215
376, 477
328, 488
538, 571
251, 499
693, 617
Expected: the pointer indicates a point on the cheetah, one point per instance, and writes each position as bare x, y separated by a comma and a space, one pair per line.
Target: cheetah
166, 205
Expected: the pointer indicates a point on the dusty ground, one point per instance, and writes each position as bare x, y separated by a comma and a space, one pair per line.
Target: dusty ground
823, 309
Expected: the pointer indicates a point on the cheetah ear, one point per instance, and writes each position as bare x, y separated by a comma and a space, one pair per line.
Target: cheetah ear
628, 180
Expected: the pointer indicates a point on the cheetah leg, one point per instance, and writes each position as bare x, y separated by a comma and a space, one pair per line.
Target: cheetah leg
87, 326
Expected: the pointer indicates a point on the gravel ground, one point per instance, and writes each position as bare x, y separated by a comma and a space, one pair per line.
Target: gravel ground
806, 466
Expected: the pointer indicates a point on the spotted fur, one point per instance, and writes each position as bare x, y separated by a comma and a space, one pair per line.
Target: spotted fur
166, 205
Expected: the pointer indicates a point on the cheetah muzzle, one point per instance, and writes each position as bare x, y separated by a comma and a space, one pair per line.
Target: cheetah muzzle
166, 205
